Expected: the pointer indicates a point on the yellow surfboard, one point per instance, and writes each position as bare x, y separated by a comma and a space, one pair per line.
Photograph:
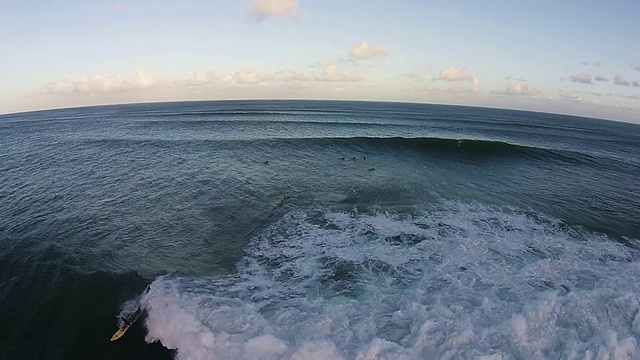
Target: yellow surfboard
119, 333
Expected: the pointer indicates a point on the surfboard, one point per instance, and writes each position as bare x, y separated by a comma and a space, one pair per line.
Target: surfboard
119, 333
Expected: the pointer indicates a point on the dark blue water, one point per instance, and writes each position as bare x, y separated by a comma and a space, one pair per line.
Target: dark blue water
318, 229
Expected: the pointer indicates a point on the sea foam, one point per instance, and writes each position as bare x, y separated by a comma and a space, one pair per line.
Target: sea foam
460, 281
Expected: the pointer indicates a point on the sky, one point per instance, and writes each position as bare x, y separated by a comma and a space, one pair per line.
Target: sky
560, 56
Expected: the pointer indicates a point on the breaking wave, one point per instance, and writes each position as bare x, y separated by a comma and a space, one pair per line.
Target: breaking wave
458, 281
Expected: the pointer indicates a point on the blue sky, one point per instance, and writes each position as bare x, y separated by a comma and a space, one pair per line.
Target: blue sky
555, 56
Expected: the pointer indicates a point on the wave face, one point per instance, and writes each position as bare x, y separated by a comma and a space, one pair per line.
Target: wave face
458, 281
454, 147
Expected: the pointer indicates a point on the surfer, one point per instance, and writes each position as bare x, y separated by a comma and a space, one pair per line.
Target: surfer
127, 320
125, 324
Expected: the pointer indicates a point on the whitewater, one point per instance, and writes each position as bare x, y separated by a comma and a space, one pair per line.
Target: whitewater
459, 281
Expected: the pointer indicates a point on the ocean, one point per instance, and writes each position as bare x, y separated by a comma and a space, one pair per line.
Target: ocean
318, 230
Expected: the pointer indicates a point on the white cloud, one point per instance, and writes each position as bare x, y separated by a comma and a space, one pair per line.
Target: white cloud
598, 94
413, 76
364, 50
634, 97
620, 80
144, 81
518, 89
636, 66
101, 83
142, 86
299, 77
476, 85
583, 78
510, 77
455, 74
568, 96
248, 76
264, 9
460, 76
333, 73
592, 100
199, 78
601, 78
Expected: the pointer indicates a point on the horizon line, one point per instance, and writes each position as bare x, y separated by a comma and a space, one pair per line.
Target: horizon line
312, 99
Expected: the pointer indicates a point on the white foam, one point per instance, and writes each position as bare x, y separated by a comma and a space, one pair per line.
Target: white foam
463, 281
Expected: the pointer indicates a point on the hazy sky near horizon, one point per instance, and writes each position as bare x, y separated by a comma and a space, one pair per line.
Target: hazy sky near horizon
547, 55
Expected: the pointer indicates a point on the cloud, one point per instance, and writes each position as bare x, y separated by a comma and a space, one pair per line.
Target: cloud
144, 81
636, 66
620, 80
567, 96
101, 83
413, 76
514, 78
247, 77
198, 78
264, 9
600, 78
459, 75
583, 78
634, 97
364, 50
333, 73
596, 64
246, 82
635, 83
410, 75
455, 74
518, 89
97, 83
588, 93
